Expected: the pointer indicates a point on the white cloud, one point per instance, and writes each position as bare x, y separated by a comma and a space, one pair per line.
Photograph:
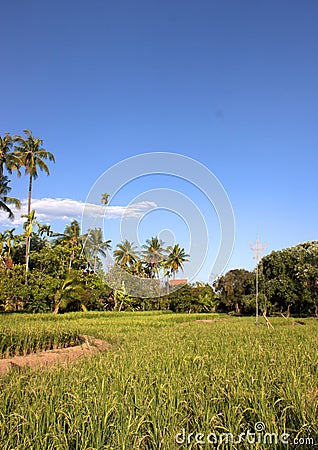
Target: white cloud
66, 209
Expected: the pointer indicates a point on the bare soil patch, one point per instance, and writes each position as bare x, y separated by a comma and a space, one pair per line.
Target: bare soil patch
191, 322
89, 347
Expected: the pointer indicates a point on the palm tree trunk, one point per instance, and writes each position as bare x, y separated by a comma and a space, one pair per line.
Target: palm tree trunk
56, 303
28, 238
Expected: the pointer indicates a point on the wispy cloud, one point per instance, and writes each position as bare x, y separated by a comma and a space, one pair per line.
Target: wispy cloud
66, 209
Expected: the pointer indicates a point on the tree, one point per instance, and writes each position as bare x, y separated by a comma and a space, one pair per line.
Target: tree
126, 254
10, 241
68, 291
290, 276
176, 259
5, 200
233, 288
8, 159
105, 198
95, 246
31, 156
154, 255
28, 229
71, 236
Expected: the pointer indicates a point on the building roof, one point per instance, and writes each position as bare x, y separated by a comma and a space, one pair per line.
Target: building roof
178, 281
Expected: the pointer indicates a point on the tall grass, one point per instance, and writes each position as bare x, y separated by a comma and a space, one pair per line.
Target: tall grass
162, 377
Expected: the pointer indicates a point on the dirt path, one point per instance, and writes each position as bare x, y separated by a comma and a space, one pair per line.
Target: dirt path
89, 347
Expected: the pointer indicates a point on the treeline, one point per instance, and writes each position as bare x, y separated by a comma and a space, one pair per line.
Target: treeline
288, 283
41, 270
65, 270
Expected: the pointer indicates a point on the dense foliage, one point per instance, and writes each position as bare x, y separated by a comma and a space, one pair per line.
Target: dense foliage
288, 283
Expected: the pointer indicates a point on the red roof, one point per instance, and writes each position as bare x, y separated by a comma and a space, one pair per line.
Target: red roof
178, 281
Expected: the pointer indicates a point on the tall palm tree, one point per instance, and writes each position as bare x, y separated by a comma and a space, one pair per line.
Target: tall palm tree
154, 254
126, 254
5, 200
8, 158
176, 258
31, 156
95, 245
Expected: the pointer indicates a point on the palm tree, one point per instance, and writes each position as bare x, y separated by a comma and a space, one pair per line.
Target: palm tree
45, 229
72, 236
10, 241
126, 254
105, 197
31, 156
95, 245
68, 291
154, 254
176, 258
5, 200
28, 229
8, 159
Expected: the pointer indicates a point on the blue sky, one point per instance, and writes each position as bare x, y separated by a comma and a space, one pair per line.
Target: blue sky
230, 84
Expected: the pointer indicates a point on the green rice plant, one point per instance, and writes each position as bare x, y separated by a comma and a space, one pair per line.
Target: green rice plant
162, 379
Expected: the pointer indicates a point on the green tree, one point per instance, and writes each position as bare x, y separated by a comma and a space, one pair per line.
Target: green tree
289, 278
153, 255
95, 246
72, 237
68, 291
232, 289
32, 157
176, 259
105, 198
8, 158
28, 226
6, 200
126, 254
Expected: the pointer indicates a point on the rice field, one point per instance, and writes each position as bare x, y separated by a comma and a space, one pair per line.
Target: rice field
168, 382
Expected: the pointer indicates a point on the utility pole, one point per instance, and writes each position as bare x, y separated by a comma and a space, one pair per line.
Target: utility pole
257, 248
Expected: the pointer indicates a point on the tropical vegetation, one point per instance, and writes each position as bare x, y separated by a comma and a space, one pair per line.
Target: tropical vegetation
45, 270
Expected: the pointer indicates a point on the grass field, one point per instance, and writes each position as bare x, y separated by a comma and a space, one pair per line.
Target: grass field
162, 380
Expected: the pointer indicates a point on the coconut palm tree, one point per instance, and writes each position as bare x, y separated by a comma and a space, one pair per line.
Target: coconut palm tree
31, 156
71, 235
176, 259
154, 255
94, 245
8, 158
126, 254
5, 200
105, 197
